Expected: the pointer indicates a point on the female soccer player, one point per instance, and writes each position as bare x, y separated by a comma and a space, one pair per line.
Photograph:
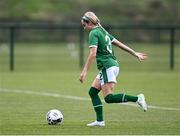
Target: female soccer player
100, 44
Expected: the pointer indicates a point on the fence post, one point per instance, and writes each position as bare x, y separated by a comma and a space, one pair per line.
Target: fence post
172, 41
81, 47
11, 57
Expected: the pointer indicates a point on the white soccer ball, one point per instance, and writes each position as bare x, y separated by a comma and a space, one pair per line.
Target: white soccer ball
54, 117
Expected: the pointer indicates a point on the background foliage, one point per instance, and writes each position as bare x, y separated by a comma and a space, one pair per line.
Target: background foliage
108, 10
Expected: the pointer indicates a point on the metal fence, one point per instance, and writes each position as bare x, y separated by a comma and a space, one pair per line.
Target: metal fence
13, 34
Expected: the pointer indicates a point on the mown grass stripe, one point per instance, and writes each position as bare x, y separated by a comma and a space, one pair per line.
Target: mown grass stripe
78, 98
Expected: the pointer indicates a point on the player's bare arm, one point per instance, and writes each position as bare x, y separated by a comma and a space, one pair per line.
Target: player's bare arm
139, 55
90, 60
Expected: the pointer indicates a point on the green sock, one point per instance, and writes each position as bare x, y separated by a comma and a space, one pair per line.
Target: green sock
119, 98
96, 101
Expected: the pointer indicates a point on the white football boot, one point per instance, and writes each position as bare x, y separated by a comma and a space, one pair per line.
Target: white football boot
96, 123
141, 102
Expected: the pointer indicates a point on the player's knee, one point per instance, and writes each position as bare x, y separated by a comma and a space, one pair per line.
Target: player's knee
93, 92
108, 98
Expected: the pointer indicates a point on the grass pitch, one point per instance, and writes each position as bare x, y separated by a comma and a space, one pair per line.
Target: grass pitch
45, 79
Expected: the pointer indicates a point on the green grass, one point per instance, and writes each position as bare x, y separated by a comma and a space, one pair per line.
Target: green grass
62, 56
46, 70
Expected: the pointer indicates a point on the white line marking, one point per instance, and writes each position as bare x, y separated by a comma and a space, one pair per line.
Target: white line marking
77, 98
44, 94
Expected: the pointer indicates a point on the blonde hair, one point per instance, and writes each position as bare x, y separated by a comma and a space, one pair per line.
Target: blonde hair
91, 16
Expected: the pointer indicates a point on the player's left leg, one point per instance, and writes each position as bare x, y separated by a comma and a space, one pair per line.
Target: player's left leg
96, 102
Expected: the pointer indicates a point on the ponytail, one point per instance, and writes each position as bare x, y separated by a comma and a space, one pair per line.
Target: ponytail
102, 28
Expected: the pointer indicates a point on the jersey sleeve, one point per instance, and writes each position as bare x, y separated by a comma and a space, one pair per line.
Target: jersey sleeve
93, 39
111, 38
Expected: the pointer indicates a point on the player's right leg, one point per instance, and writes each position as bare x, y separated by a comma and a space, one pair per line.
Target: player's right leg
141, 102
108, 82
109, 97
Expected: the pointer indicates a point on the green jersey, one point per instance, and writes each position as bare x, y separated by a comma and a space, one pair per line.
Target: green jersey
102, 40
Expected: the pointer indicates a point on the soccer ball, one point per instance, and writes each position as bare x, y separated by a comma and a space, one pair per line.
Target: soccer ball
54, 117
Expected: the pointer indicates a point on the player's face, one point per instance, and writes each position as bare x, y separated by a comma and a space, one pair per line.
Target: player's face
85, 24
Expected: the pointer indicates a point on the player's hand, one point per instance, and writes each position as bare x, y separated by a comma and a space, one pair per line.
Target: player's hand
82, 76
141, 56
